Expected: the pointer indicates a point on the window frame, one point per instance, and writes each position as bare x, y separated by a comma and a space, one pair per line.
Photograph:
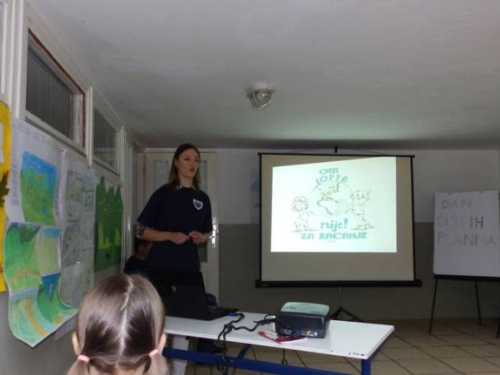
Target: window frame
101, 162
5, 61
79, 124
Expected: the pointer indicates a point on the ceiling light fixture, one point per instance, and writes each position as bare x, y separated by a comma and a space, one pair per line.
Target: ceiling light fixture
260, 95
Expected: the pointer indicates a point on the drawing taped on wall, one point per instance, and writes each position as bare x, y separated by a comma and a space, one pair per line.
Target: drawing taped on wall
32, 274
109, 214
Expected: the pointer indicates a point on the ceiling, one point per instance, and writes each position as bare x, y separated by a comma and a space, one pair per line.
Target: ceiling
347, 73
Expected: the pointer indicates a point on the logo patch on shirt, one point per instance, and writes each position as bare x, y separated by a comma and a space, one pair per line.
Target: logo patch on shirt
197, 204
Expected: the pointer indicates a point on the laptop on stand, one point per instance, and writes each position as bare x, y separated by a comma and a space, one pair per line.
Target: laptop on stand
183, 295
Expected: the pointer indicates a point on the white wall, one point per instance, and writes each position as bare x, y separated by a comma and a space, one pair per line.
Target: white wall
452, 171
237, 172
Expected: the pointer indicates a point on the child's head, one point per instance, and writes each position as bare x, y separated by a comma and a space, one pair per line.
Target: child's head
120, 329
142, 248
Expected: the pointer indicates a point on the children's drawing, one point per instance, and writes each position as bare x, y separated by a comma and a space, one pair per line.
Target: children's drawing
109, 212
33, 315
74, 195
20, 263
79, 189
38, 189
77, 278
33, 276
4, 190
49, 283
78, 246
87, 233
25, 319
47, 250
88, 194
70, 245
77, 259
52, 308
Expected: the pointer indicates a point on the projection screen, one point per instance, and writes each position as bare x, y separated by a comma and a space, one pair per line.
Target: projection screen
336, 218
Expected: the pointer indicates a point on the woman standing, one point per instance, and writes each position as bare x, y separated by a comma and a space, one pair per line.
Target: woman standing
177, 218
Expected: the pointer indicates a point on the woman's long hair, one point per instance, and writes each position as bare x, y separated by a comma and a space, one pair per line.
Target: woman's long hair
173, 176
119, 323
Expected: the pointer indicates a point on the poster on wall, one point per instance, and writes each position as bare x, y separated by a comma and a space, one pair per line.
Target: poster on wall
35, 168
109, 218
32, 272
49, 243
5, 140
77, 208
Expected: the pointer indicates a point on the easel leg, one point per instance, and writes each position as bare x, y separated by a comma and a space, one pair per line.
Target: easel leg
498, 331
477, 301
433, 304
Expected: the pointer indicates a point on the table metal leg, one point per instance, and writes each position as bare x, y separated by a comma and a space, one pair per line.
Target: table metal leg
366, 367
246, 364
243, 351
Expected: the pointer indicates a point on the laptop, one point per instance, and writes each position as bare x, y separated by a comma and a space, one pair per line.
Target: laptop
183, 295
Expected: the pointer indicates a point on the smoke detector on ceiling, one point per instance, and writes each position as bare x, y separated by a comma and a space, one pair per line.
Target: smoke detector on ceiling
260, 95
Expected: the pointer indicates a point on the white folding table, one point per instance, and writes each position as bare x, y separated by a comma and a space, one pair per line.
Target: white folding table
343, 339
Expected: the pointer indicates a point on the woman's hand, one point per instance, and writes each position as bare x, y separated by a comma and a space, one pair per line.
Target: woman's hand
198, 238
177, 237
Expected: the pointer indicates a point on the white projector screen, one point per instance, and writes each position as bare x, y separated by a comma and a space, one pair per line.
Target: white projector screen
336, 218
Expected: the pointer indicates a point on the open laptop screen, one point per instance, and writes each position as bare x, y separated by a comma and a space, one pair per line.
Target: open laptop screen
184, 295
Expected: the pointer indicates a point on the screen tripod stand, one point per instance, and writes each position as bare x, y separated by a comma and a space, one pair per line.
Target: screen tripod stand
341, 311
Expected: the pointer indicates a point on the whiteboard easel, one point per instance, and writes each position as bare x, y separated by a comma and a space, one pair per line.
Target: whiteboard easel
466, 240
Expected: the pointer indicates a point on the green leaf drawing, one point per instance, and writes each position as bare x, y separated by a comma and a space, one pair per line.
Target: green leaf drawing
26, 233
4, 190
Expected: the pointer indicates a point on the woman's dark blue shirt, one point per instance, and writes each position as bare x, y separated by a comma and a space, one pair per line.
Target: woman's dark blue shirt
184, 210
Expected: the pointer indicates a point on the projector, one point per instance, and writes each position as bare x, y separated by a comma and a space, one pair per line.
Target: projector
302, 319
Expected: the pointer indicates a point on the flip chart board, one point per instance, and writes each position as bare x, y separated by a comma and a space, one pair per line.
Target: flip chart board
466, 234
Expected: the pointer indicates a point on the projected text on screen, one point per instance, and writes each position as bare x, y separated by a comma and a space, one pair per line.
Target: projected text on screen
337, 206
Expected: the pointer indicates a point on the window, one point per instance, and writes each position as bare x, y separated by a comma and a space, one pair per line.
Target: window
105, 141
52, 97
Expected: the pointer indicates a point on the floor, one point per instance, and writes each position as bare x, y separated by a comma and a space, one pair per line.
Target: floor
457, 346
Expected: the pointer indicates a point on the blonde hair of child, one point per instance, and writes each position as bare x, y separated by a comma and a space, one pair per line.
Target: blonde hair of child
119, 329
